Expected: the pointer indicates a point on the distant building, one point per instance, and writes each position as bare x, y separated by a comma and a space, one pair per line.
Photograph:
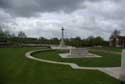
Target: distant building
117, 41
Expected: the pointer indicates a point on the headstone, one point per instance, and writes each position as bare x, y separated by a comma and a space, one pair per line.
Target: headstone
122, 74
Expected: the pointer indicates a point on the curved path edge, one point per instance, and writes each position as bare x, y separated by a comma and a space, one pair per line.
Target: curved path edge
107, 70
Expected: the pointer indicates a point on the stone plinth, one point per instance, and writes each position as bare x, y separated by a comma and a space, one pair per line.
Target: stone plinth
78, 53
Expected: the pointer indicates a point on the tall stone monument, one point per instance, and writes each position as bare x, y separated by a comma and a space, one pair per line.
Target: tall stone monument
62, 43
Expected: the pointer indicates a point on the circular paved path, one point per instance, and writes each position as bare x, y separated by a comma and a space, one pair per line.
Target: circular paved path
112, 71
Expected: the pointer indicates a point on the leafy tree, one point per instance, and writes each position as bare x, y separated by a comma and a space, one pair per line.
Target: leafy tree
115, 33
2, 33
90, 41
98, 41
43, 40
7, 34
12, 35
54, 41
21, 34
75, 41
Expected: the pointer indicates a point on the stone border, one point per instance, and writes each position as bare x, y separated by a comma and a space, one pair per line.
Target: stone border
112, 71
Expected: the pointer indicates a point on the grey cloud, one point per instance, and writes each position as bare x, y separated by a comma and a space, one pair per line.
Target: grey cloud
29, 7
91, 20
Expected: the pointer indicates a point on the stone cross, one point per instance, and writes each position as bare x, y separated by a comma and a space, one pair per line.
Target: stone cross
62, 33
62, 44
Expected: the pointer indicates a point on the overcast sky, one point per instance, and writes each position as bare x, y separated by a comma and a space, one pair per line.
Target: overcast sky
79, 17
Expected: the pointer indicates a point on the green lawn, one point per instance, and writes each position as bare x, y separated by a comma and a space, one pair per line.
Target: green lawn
110, 49
17, 69
108, 58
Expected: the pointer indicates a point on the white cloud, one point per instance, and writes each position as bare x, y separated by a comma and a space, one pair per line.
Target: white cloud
92, 18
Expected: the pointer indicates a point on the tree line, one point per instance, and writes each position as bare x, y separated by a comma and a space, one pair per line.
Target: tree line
16, 40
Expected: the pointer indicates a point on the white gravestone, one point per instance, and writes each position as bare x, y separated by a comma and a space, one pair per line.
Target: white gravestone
122, 74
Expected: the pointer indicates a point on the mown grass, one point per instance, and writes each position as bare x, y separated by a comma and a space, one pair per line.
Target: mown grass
109, 49
17, 69
108, 59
